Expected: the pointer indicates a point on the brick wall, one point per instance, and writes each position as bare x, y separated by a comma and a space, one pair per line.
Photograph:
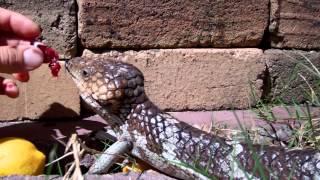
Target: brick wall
195, 54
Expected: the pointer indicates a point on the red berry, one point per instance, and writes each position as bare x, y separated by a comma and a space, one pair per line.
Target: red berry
55, 68
49, 53
51, 57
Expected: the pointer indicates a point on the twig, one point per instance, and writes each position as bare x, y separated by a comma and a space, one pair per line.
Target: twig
58, 159
77, 153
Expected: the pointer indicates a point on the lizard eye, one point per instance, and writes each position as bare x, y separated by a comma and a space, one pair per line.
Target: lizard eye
85, 72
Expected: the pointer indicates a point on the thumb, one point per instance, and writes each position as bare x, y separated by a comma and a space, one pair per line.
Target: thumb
19, 58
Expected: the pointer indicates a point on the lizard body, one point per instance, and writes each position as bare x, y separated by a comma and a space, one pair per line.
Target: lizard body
115, 91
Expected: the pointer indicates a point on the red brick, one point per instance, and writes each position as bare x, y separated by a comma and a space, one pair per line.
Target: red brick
295, 24
167, 24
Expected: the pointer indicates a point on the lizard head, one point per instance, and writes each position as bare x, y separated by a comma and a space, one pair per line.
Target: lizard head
107, 84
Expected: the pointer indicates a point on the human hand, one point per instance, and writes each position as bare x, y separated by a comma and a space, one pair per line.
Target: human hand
17, 55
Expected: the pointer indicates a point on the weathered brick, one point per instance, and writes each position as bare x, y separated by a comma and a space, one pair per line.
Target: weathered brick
180, 79
43, 96
290, 75
295, 24
168, 24
57, 20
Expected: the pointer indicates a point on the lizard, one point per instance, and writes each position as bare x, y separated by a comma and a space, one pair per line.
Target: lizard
115, 91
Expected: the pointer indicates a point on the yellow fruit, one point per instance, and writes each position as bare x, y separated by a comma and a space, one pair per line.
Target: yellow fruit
20, 157
137, 167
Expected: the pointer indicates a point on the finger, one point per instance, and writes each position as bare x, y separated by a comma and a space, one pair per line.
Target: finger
18, 24
19, 59
22, 76
9, 88
13, 41
2, 87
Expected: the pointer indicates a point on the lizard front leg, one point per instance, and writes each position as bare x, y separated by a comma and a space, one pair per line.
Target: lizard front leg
109, 156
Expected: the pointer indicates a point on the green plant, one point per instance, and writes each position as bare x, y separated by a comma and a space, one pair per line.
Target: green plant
307, 135
52, 157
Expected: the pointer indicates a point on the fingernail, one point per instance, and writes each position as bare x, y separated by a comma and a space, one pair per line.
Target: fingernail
11, 90
32, 59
